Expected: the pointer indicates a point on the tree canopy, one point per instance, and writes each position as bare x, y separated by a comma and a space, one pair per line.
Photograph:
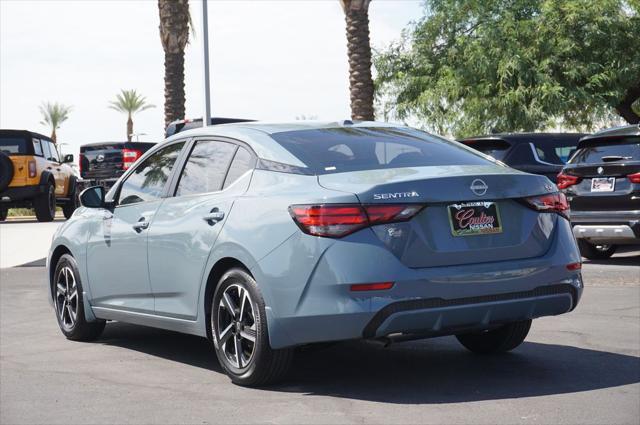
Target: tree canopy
482, 66
53, 115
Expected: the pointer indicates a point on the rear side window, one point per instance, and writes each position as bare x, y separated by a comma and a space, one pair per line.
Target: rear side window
335, 150
37, 147
608, 150
206, 168
148, 179
13, 145
242, 162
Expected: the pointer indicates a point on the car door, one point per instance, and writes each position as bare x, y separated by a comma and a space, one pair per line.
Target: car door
117, 251
53, 165
187, 225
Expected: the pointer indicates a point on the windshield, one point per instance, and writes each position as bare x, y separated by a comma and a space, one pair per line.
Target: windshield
335, 150
609, 150
13, 145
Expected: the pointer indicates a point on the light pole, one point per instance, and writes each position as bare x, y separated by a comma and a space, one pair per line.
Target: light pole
206, 117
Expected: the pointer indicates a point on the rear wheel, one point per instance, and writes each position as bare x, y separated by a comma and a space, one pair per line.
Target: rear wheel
500, 340
595, 252
68, 302
71, 205
239, 326
45, 204
3, 214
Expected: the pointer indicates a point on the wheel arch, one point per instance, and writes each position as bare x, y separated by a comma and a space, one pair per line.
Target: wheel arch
47, 177
58, 252
217, 271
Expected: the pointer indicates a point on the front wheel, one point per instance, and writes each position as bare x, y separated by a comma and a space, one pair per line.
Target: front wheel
595, 252
67, 292
71, 205
505, 338
239, 328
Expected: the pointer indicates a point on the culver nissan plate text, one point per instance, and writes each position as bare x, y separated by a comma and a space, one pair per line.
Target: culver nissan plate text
264, 237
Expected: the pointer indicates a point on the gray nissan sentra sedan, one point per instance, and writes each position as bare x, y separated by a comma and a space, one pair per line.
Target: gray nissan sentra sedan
264, 237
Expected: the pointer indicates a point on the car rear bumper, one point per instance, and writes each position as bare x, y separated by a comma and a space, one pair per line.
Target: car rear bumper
12, 195
612, 227
428, 301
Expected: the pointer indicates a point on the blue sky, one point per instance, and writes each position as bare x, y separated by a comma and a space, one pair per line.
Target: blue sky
271, 60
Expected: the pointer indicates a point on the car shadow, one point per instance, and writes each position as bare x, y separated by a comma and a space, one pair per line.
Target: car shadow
419, 372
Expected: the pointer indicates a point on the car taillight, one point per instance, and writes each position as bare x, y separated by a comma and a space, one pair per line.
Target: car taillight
634, 178
32, 169
566, 180
129, 156
552, 202
338, 220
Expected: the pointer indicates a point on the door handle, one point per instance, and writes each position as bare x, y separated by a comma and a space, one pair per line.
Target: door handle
141, 225
213, 217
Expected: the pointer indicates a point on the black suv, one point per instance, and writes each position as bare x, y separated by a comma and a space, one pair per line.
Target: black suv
602, 184
536, 153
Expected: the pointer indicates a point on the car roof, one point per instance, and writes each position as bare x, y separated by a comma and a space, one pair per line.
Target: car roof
527, 137
257, 135
622, 131
25, 133
113, 142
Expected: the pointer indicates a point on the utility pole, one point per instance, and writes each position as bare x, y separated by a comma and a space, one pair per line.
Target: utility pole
206, 117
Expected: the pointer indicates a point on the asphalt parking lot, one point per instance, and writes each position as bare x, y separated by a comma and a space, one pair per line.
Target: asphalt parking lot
578, 368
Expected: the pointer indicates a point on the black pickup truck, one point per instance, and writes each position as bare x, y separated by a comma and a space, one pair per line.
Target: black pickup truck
103, 163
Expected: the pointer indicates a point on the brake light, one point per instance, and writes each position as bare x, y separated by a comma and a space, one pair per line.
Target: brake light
32, 169
552, 202
574, 266
380, 286
129, 156
634, 178
338, 220
566, 180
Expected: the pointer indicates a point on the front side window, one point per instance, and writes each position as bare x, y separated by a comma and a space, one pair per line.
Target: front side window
206, 168
52, 151
147, 181
335, 150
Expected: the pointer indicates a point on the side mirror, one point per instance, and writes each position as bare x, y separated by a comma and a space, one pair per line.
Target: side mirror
67, 159
93, 197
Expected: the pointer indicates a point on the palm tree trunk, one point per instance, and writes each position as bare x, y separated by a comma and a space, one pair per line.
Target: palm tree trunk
54, 136
129, 128
359, 51
174, 35
174, 98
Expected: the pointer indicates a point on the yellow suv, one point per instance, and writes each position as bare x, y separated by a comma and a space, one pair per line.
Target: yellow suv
33, 175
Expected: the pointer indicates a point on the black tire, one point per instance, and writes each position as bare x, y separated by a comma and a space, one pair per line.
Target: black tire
264, 365
75, 328
596, 252
4, 212
73, 203
45, 203
505, 338
6, 171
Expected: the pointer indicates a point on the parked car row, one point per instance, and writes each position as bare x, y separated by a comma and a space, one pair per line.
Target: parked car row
599, 173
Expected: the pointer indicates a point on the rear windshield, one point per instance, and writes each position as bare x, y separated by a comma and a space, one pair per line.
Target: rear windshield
608, 150
494, 148
13, 145
335, 150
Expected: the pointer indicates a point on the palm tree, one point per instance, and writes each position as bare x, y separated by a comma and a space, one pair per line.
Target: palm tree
174, 34
359, 51
53, 115
130, 102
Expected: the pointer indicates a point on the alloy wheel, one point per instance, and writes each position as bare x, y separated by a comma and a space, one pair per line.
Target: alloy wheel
236, 326
67, 298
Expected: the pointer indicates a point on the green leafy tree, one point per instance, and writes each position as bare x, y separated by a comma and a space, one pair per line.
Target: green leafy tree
53, 115
479, 66
359, 50
130, 102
